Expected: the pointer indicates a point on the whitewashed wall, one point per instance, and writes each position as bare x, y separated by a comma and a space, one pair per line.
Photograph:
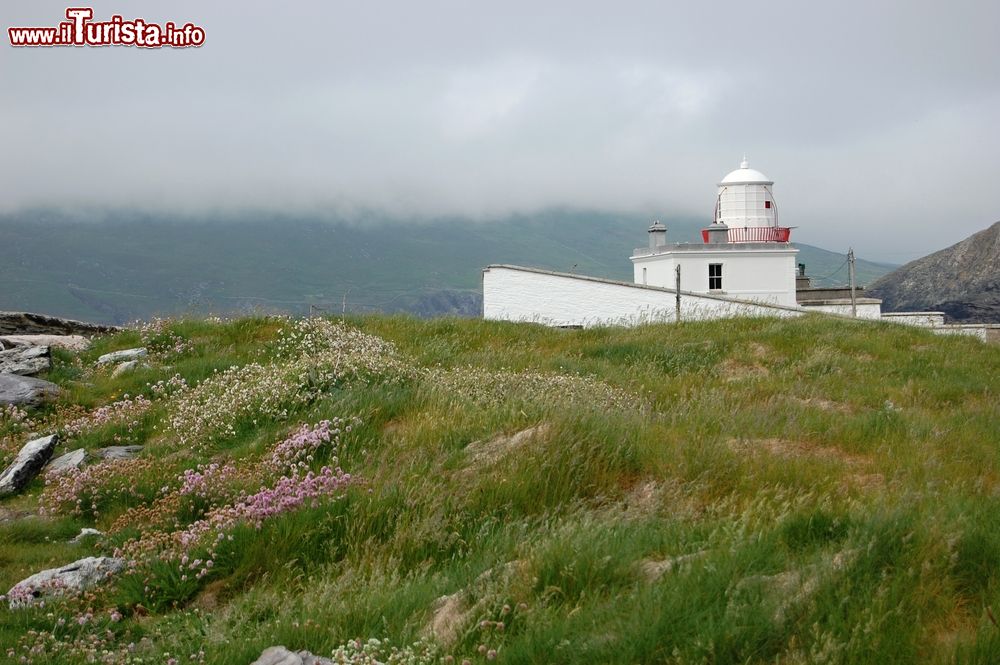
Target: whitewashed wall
866, 310
511, 293
922, 319
980, 332
766, 276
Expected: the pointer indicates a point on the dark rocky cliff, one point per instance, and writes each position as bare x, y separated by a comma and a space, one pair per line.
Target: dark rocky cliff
963, 281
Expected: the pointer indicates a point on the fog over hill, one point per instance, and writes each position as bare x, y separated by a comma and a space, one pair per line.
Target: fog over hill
120, 266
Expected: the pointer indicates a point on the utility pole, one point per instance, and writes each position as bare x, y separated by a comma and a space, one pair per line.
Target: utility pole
677, 291
343, 307
850, 271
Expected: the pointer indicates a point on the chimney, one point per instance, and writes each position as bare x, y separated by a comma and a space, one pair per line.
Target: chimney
802, 280
657, 235
716, 234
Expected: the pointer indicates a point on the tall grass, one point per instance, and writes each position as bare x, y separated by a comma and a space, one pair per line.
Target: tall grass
739, 491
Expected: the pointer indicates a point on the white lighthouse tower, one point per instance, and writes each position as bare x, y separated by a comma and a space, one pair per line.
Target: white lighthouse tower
745, 207
744, 253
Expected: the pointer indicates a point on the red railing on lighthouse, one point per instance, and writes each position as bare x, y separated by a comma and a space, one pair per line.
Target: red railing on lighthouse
755, 234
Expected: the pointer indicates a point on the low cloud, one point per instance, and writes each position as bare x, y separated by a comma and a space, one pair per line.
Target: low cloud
878, 125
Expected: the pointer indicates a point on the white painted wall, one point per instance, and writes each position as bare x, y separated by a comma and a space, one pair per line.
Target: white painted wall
511, 293
980, 332
922, 319
866, 310
761, 275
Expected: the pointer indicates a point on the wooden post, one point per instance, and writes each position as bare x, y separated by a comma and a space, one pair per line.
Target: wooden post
677, 291
850, 271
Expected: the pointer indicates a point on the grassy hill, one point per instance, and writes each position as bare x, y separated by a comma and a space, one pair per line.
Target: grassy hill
118, 267
746, 491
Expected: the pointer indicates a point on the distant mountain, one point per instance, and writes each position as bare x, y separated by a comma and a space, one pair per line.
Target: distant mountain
963, 281
118, 267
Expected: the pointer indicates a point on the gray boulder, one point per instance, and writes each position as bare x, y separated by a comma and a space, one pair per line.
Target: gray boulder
68, 342
121, 356
72, 578
113, 453
67, 462
283, 656
25, 390
27, 464
86, 532
125, 368
25, 360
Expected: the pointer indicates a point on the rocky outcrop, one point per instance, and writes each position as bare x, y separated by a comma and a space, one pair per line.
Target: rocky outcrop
126, 367
25, 360
76, 459
29, 461
283, 656
488, 451
28, 323
963, 281
86, 532
114, 453
72, 578
68, 462
124, 355
68, 342
654, 569
25, 390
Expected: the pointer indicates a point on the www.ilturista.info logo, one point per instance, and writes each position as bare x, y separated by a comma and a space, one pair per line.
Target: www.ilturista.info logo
80, 30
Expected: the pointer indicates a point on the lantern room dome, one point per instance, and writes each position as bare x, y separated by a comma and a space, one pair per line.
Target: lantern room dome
746, 176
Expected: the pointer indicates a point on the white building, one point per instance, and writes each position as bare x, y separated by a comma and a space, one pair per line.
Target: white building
745, 266
745, 254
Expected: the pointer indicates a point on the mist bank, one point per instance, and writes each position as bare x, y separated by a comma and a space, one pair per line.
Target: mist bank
117, 266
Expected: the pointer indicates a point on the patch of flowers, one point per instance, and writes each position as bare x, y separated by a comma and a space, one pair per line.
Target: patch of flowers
208, 481
13, 421
159, 339
337, 352
297, 451
288, 494
126, 412
168, 387
11, 414
312, 356
493, 388
211, 411
285, 485
382, 652
199, 489
83, 491
83, 633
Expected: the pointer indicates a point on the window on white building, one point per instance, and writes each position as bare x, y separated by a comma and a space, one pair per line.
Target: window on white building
714, 276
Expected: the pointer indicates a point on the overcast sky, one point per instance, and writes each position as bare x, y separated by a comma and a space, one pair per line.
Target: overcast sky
878, 121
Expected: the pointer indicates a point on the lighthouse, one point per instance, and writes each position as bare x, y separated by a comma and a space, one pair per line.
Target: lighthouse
745, 210
744, 252
743, 265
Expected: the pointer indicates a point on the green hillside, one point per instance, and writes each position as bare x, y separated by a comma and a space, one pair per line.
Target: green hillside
746, 491
118, 268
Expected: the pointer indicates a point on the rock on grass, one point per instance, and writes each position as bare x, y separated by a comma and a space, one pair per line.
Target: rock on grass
29, 461
25, 391
71, 578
